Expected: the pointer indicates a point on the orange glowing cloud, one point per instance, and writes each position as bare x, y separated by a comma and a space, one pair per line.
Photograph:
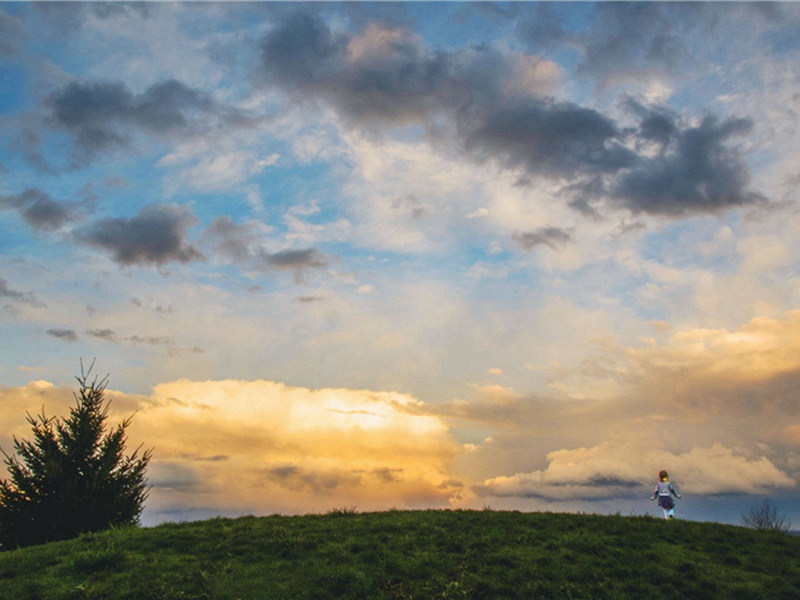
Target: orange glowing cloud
260, 446
236, 447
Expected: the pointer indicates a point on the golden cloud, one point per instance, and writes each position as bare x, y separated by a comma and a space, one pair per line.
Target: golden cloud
763, 348
716, 406
235, 447
260, 446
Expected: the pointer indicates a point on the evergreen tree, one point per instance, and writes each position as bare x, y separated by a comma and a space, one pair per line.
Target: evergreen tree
74, 476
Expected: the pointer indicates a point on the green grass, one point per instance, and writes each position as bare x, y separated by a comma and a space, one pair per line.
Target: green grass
414, 554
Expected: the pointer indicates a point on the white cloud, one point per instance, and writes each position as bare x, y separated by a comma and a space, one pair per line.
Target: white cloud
618, 470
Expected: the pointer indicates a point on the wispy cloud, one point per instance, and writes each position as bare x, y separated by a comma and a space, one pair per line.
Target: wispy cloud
14, 295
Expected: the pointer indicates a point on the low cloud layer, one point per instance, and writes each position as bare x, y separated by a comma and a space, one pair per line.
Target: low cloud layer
259, 447
711, 407
619, 470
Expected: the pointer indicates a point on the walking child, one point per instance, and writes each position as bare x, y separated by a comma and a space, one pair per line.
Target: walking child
664, 491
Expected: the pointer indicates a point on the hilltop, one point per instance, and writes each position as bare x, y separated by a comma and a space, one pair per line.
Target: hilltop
412, 554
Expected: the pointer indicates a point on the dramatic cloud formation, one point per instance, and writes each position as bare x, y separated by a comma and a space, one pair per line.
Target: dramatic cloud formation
556, 241
694, 171
262, 447
388, 77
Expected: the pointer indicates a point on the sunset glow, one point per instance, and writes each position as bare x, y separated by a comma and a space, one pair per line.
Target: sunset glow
411, 255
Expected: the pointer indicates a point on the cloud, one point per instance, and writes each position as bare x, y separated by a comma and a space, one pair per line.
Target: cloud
247, 245
156, 235
111, 336
553, 237
68, 335
636, 39
641, 42
290, 449
546, 138
297, 259
6, 291
38, 209
714, 407
264, 447
103, 115
694, 172
471, 99
614, 470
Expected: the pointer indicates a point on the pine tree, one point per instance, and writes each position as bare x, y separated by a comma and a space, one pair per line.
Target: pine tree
74, 476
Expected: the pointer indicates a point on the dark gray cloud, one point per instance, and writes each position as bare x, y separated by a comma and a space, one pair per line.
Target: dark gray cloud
157, 235
306, 258
303, 51
552, 237
554, 139
68, 335
657, 124
39, 210
102, 116
394, 81
464, 99
696, 170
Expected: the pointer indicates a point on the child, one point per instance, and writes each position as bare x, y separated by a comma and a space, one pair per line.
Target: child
665, 491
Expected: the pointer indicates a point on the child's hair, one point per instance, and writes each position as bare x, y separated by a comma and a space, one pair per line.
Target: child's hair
662, 476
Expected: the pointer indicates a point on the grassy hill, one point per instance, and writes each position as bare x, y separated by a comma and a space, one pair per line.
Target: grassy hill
412, 554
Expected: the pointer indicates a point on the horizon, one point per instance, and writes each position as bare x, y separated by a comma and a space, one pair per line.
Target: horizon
411, 255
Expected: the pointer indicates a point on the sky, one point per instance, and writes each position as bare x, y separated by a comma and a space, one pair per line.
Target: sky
411, 255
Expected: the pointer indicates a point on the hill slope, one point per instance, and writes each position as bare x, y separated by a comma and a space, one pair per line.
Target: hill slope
414, 554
